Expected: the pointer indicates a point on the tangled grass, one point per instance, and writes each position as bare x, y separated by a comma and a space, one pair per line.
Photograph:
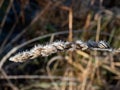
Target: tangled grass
75, 65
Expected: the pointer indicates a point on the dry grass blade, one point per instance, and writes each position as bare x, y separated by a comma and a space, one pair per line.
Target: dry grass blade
1, 2
40, 77
49, 71
5, 17
70, 24
9, 82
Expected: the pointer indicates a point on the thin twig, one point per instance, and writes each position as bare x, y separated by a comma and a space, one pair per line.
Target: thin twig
5, 76
40, 77
8, 36
11, 31
5, 16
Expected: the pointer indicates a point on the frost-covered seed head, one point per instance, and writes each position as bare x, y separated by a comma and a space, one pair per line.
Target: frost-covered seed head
36, 51
47, 50
103, 44
59, 45
20, 57
81, 44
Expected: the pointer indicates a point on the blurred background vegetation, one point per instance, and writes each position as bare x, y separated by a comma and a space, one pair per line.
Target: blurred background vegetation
25, 23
